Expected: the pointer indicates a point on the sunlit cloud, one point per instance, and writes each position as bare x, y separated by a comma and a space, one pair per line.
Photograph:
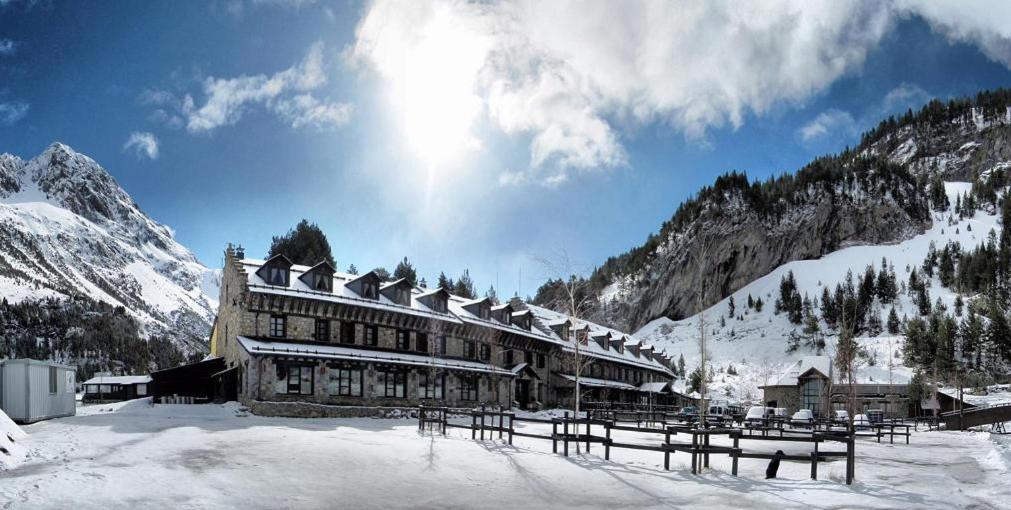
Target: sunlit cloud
142, 144
576, 78
289, 94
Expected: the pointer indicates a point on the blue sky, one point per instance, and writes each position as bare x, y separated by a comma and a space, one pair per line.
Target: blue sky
480, 136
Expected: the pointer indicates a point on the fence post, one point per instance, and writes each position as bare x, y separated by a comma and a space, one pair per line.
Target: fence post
501, 417
695, 442
666, 450
473, 424
814, 462
705, 457
554, 435
850, 460
421, 418
444, 415
565, 434
512, 420
607, 440
482, 422
587, 435
735, 453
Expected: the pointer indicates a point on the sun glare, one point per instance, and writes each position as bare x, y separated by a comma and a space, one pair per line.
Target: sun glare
437, 100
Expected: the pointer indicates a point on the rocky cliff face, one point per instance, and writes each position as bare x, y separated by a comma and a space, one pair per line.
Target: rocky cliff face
731, 241
67, 228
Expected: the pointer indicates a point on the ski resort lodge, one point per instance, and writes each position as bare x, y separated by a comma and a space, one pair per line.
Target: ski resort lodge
293, 335
808, 384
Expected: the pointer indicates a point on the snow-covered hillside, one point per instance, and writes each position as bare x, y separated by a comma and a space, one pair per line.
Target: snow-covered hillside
755, 342
67, 228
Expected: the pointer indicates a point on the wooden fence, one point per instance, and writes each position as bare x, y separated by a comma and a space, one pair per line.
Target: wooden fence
568, 429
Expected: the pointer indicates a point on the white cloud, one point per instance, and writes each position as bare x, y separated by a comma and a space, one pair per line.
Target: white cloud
568, 73
304, 110
142, 144
287, 93
578, 77
7, 47
906, 95
985, 24
829, 122
11, 112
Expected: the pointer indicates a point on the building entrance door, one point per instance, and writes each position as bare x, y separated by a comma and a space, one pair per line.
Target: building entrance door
523, 393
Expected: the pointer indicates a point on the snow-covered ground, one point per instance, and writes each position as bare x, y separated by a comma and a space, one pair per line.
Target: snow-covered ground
137, 456
755, 342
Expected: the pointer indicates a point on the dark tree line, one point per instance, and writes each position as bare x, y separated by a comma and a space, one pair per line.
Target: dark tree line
93, 335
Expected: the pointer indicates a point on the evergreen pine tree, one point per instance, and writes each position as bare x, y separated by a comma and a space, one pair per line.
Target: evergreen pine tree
404, 269
305, 244
352, 269
465, 286
730, 307
893, 322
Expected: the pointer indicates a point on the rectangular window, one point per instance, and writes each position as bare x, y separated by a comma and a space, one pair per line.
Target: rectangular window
403, 340
439, 305
322, 333
141, 390
468, 349
485, 312
528, 357
344, 381
431, 386
321, 282
540, 360
404, 296
391, 383
509, 357
293, 379
370, 290
372, 335
485, 352
278, 276
440, 345
52, 379
421, 342
277, 326
105, 388
347, 332
468, 387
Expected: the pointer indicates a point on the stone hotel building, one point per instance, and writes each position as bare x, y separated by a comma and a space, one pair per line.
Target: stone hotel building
309, 341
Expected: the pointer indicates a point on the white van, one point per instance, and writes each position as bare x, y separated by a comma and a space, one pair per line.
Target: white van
757, 415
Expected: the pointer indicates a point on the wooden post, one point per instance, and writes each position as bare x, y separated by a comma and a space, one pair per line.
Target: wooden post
565, 434
814, 462
666, 451
607, 440
473, 425
445, 412
850, 460
482, 422
736, 451
705, 455
587, 435
554, 435
421, 418
695, 442
512, 420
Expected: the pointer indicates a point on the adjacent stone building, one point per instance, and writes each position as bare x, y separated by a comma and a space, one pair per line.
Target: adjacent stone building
314, 341
809, 384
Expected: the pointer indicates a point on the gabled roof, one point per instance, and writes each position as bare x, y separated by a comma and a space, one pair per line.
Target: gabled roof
390, 290
322, 267
803, 367
356, 284
119, 379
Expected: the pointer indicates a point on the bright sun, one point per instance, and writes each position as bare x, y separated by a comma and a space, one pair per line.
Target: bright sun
436, 94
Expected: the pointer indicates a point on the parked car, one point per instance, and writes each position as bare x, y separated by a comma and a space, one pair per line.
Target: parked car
780, 412
756, 415
719, 414
804, 417
876, 416
860, 422
688, 414
841, 416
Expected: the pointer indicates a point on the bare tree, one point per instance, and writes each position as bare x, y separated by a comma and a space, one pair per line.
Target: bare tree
702, 257
847, 358
573, 285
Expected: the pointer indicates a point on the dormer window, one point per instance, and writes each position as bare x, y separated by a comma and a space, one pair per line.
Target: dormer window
502, 313
399, 291
275, 271
479, 307
485, 313
370, 290
366, 286
436, 300
319, 277
321, 282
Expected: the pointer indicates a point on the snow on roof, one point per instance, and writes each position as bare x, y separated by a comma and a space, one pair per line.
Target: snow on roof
340, 294
822, 364
119, 379
653, 387
601, 383
592, 348
255, 346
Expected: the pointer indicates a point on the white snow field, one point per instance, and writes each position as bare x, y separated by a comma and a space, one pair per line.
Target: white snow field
217, 456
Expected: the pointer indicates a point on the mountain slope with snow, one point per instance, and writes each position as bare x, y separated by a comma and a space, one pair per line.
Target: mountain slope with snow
68, 229
755, 342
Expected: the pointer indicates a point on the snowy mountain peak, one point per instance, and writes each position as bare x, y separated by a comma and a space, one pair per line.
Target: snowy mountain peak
68, 228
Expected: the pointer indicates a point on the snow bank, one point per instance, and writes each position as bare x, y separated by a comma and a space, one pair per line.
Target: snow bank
12, 453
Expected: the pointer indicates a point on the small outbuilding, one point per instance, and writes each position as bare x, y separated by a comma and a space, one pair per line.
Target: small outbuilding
32, 390
111, 388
